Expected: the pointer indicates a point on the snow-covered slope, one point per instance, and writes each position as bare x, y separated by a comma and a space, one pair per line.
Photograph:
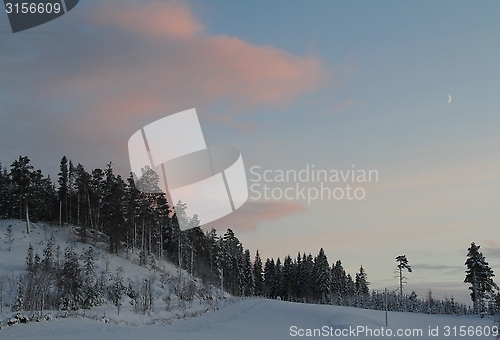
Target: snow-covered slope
258, 319
166, 276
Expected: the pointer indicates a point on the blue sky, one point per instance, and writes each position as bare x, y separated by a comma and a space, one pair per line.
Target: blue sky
290, 83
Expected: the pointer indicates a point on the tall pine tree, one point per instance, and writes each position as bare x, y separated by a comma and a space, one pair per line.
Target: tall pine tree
480, 277
63, 190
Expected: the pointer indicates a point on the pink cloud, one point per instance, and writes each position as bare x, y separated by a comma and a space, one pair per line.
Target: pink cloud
260, 74
130, 105
173, 62
152, 19
251, 214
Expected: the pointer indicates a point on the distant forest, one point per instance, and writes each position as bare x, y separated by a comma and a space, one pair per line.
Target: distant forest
104, 206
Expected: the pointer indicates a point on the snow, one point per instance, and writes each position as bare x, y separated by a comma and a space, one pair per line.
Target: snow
248, 319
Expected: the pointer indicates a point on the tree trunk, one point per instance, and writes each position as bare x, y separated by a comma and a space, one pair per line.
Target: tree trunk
27, 219
474, 288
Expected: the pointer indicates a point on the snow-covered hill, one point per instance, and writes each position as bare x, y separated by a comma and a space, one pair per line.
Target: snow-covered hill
164, 275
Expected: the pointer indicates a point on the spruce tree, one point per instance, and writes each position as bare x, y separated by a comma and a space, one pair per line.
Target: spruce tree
21, 291
480, 277
71, 281
322, 277
71, 192
83, 211
5, 193
96, 197
22, 187
257, 274
362, 290
350, 289
29, 258
307, 274
117, 289
36, 263
248, 277
113, 208
269, 279
232, 253
278, 272
288, 278
63, 190
91, 293
48, 262
339, 283
296, 287
213, 251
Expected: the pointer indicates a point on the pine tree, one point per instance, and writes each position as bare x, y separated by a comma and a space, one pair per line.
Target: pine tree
4, 192
296, 286
269, 279
83, 209
232, 255
113, 208
48, 262
362, 290
278, 272
37, 263
413, 302
96, 197
431, 303
63, 190
71, 281
322, 277
21, 291
402, 265
71, 192
339, 283
214, 256
288, 278
43, 198
350, 290
162, 219
257, 274
22, 187
248, 277
91, 293
29, 258
307, 274
117, 289
480, 277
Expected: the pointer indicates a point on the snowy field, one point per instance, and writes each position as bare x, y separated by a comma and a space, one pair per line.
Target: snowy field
257, 319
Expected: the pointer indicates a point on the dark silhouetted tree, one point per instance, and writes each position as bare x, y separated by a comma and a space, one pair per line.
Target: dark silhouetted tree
480, 277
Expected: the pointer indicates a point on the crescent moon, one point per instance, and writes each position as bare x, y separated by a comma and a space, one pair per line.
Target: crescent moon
449, 100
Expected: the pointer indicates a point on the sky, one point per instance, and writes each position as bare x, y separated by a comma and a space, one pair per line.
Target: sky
294, 85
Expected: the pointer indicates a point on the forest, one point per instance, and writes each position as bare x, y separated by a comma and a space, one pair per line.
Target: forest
103, 206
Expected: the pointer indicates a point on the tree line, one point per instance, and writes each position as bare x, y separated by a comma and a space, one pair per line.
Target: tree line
107, 209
